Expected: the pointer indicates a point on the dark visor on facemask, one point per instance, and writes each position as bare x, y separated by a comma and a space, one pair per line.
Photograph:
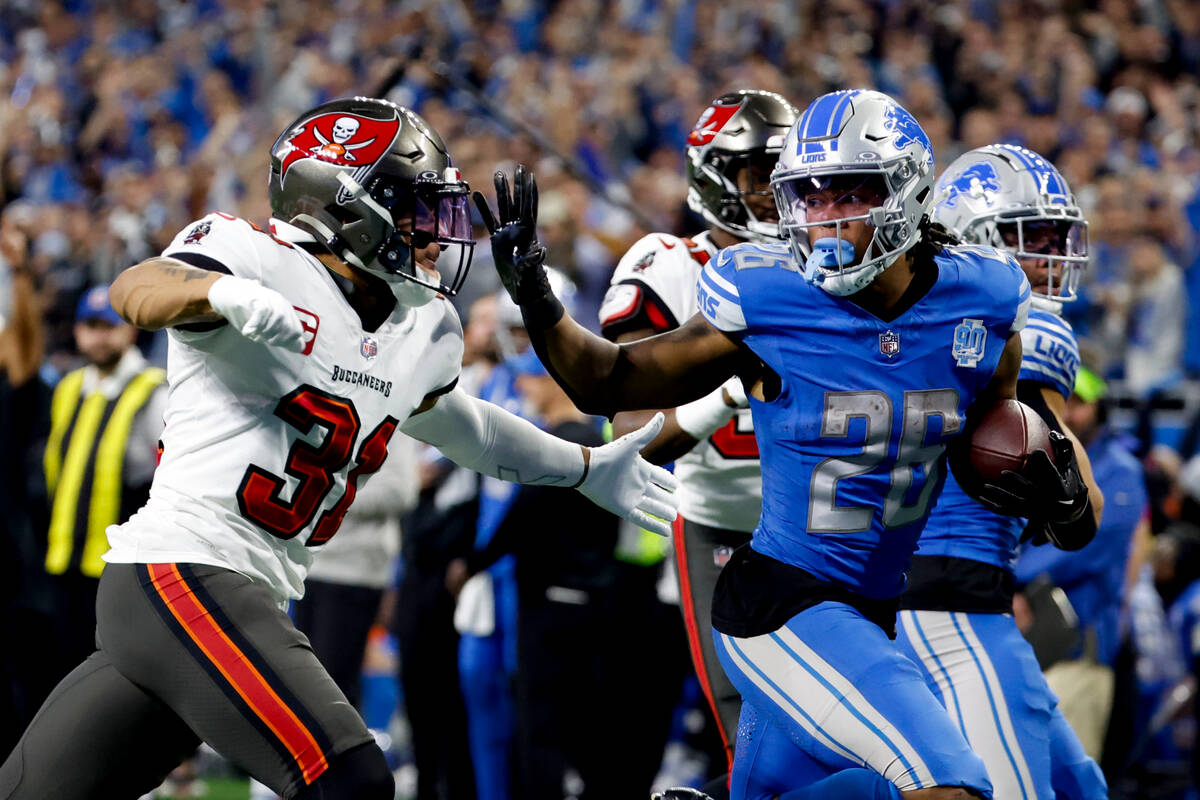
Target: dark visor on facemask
842, 184
446, 217
424, 214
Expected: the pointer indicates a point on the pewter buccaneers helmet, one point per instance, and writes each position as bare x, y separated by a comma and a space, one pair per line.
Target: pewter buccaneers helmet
742, 129
842, 136
373, 182
1004, 189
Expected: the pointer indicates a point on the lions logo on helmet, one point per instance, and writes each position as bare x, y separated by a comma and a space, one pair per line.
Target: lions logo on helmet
1012, 199
854, 135
976, 181
907, 131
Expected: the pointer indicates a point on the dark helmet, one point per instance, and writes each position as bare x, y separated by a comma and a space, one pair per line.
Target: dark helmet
373, 182
742, 129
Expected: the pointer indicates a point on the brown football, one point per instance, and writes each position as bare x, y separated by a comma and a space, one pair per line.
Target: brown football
1006, 436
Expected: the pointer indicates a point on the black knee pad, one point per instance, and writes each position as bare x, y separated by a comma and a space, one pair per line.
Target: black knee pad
358, 774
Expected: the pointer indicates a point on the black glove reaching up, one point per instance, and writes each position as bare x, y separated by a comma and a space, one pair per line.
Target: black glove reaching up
518, 255
1050, 492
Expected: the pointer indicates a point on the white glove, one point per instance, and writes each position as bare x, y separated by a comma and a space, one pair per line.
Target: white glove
260, 314
736, 391
621, 481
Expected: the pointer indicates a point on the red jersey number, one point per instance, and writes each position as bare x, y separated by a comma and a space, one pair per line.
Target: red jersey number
260, 495
731, 442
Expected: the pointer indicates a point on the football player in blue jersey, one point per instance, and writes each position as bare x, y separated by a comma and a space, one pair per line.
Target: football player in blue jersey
868, 340
957, 619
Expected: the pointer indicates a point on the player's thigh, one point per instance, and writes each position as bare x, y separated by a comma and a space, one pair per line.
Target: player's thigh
845, 693
97, 735
215, 647
988, 678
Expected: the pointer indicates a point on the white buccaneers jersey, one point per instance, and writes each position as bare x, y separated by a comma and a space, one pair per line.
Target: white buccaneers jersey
264, 448
654, 287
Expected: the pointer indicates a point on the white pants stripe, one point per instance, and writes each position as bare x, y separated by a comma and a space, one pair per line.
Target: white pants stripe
771, 689
834, 711
967, 681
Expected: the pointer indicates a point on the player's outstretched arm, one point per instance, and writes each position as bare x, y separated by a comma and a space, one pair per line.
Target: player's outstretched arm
162, 292
599, 376
486, 438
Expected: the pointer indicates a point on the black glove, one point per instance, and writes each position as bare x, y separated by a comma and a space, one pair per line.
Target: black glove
1050, 491
518, 255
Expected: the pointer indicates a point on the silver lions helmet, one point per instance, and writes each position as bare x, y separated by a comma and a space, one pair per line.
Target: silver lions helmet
846, 140
1012, 199
731, 152
373, 182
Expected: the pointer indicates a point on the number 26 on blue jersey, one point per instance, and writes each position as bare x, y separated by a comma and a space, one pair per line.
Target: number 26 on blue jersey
909, 445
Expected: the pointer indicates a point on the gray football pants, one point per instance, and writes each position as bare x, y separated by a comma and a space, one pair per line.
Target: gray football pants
187, 653
700, 553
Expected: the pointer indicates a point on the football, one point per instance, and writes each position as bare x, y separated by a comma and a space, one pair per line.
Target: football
1004, 438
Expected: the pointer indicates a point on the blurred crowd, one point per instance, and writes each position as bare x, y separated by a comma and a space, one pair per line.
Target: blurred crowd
121, 123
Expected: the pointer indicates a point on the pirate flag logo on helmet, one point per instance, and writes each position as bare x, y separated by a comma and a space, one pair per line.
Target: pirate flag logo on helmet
341, 138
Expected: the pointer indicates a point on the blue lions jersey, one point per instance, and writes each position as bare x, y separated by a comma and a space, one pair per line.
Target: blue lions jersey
852, 447
959, 526
1049, 352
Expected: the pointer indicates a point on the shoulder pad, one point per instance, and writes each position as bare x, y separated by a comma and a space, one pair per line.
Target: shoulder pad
717, 291
649, 255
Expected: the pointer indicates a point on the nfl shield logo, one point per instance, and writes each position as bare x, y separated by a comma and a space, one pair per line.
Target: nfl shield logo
889, 343
369, 348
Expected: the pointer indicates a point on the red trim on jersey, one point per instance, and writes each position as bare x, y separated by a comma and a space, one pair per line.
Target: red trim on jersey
698, 253
693, 631
235, 666
657, 318
628, 311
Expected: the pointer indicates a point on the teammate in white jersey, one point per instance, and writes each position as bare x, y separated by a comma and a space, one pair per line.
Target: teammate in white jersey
294, 356
731, 152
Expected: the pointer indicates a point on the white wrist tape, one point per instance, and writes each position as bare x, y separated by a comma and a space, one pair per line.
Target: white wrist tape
701, 418
484, 437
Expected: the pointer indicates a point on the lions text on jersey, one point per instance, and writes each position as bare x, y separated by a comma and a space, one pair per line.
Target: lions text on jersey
654, 286
264, 448
852, 454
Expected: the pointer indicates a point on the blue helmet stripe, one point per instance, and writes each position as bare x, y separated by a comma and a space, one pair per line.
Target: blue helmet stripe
818, 116
835, 120
1049, 178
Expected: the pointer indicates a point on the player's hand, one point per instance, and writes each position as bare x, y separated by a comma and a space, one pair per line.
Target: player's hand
621, 481
518, 255
734, 393
1050, 491
258, 313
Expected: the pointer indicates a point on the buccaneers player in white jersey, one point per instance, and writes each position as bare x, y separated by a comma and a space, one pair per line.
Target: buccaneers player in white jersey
295, 354
731, 152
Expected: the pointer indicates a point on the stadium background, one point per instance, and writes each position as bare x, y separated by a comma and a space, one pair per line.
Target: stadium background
121, 122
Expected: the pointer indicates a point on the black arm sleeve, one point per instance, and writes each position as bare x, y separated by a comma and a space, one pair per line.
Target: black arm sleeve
1030, 393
